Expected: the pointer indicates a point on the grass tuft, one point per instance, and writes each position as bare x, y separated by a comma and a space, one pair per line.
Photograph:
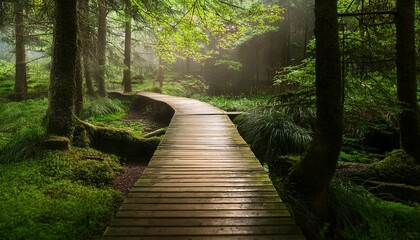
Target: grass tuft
272, 133
101, 107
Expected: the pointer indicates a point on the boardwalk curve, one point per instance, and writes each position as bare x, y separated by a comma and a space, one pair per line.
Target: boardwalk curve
203, 182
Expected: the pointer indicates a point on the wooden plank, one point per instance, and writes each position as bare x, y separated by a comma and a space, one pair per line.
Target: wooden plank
203, 189
225, 237
202, 194
176, 200
197, 222
201, 206
200, 231
202, 184
204, 213
204, 180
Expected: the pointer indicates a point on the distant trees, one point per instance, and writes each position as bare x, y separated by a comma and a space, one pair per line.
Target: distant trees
101, 47
21, 85
127, 48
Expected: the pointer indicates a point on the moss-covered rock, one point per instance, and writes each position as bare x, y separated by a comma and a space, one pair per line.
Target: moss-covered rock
56, 143
398, 167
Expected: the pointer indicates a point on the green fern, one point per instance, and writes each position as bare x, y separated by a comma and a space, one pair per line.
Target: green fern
272, 133
101, 107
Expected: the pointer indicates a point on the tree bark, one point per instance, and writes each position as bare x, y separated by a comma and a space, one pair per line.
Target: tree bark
127, 48
21, 85
78, 80
312, 176
100, 75
86, 47
61, 94
409, 118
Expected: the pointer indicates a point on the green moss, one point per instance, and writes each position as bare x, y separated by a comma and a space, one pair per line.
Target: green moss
48, 198
399, 167
122, 143
56, 143
362, 216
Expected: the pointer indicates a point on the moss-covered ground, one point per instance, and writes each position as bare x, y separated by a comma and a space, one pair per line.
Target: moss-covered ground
46, 194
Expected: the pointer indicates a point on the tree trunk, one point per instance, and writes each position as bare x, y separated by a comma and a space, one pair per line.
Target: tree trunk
21, 86
127, 48
100, 75
312, 176
87, 46
409, 118
61, 94
78, 80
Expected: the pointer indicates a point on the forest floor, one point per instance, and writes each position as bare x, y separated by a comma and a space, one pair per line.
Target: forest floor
135, 166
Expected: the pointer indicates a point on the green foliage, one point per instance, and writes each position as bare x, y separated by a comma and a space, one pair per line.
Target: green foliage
16, 115
229, 64
302, 75
154, 89
6, 70
184, 28
46, 199
235, 103
83, 165
22, 146
109, 109
356, 156
136, 126
39, 75
272, 133
186, 87
399, 167
21, 129
360, 215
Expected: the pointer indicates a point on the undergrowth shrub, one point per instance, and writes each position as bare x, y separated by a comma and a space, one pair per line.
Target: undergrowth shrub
271, 133
361, 215
186, 87
398, 167
21, 129
22, 145
154, 89
234, 103
99, 107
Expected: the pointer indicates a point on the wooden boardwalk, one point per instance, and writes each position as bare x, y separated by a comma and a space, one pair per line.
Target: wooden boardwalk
203, 182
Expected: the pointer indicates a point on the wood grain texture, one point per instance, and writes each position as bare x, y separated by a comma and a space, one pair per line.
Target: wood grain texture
203, 182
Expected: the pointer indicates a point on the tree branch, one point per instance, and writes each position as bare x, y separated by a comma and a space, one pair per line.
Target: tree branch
365, 13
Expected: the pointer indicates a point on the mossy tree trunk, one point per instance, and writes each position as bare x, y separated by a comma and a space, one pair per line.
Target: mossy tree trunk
78, 80
21, 86
87, 46
409, 118
127, 48
62, 83
312, 176
101, 48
